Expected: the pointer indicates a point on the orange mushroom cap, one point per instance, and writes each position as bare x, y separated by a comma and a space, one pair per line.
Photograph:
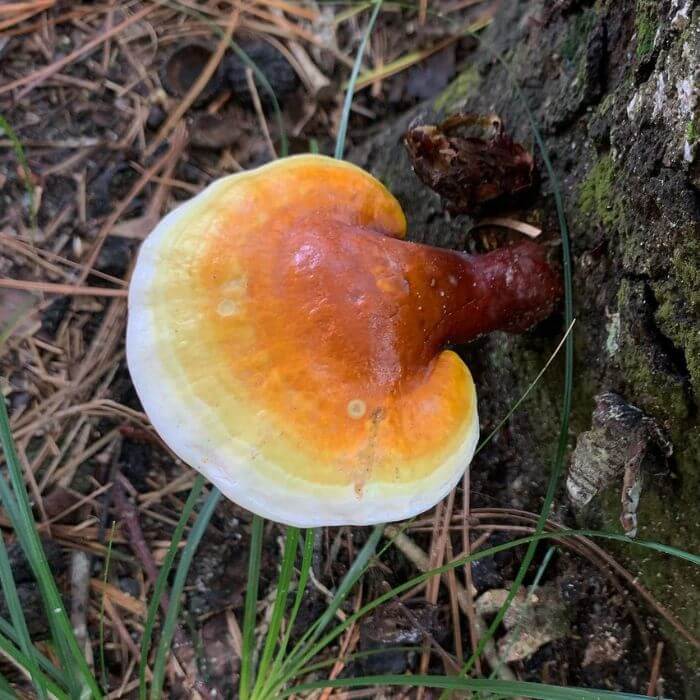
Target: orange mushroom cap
286, 343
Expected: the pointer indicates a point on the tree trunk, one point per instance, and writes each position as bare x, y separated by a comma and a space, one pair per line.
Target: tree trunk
613, 87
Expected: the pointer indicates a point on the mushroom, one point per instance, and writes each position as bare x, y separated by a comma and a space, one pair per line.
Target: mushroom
287, 343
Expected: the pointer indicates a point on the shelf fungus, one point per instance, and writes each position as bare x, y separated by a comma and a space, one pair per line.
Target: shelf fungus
287, 343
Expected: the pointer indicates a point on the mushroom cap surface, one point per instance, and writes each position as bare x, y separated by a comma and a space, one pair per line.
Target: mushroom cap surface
272, 344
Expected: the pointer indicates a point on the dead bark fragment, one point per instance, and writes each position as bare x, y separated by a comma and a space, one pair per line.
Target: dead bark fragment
469, 160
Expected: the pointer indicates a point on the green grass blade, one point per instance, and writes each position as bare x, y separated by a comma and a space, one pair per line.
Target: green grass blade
647, 544
279, 607
183, 567
538, 691
16, 503
359, 566
9, 649
310, 652
347, 104
355, 656
306, 561
517, 629
328, 638
6, 691
532, 385
162, 581
276, 678
306, 644
8, 631
568, 292
354, 9
23, 528
251, 604
14, 605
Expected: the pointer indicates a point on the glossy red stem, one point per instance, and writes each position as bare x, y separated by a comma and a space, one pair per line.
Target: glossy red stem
460, 297
509, 289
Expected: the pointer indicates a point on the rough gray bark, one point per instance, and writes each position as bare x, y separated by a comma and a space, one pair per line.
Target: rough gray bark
614, 87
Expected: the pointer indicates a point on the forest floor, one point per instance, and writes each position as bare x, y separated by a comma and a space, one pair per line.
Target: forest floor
111, 128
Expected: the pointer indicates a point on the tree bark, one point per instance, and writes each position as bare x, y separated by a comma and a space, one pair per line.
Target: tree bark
613, 87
